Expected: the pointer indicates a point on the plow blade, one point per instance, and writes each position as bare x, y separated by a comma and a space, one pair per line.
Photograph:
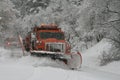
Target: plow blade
75, 61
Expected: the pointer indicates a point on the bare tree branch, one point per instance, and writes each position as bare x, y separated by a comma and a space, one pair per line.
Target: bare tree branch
113, 39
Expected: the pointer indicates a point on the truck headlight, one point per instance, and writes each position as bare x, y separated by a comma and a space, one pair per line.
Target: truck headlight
37, 41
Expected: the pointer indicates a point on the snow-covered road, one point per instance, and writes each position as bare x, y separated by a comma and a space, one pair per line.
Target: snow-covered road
25, 72
33, 68
14, 67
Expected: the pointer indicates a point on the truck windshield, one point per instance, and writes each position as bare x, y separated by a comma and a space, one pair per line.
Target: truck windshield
56, 35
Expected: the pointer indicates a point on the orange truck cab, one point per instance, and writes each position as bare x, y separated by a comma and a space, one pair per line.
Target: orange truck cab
47, 37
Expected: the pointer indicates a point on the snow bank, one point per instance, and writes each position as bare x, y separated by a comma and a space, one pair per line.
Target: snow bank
91, 58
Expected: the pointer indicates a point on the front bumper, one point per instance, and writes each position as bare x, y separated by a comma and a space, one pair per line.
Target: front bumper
54, 55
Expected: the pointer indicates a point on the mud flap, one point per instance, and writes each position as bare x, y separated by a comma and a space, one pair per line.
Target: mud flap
75, 61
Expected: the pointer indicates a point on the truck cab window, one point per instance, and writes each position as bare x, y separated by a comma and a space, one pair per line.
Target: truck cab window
56, 35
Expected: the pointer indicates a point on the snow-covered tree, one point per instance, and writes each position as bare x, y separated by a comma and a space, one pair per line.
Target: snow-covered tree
7, 17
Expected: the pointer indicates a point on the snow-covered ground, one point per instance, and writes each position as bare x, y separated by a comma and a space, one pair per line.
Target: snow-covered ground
15, 67
91, 58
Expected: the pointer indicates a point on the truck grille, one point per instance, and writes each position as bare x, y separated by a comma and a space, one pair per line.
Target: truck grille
55, 47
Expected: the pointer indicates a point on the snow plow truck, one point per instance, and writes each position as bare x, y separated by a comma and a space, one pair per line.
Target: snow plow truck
48, 40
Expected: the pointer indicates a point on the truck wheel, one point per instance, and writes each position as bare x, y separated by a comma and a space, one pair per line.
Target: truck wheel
27, 49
